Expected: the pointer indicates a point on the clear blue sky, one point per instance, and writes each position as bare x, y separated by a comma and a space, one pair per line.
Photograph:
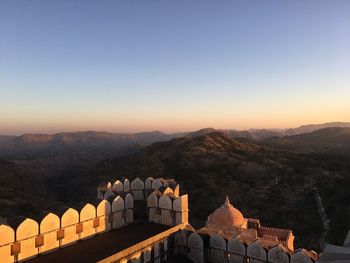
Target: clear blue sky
172, 65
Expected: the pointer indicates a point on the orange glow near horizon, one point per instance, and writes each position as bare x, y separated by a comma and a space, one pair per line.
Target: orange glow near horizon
83, 67
179, 123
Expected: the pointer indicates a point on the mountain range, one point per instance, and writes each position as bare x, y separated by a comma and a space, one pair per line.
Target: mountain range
260, 134
334, 140
35, 145
29, 146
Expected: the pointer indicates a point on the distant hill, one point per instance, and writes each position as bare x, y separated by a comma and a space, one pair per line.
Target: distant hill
313, 127
200, 132
31, 146
41, 145
94, 137
326, 141
273, 185
261, 134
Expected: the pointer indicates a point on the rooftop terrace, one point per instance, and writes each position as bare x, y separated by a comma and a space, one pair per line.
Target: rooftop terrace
104, 245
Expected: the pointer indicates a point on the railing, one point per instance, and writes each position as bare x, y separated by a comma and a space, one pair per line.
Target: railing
143, 245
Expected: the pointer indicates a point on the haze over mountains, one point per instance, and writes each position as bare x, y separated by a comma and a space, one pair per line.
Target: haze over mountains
110, 144
260, 134
27, 145
335, 140
266, 174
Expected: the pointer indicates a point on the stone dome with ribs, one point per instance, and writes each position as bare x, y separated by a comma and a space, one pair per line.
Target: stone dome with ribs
226, 215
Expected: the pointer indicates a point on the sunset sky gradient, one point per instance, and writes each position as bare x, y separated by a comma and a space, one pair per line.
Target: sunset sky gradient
128, 66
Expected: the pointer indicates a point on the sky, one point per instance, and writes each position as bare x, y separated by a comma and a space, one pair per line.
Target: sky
136, 65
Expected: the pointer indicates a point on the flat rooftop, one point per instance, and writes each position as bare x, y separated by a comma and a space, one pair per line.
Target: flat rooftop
104, 245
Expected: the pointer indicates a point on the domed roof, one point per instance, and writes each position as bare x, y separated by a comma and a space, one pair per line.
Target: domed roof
226, 215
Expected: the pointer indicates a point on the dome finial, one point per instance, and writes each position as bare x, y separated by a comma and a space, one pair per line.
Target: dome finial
227, 202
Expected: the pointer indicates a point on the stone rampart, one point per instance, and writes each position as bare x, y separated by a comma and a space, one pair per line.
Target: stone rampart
24, 238
202, 248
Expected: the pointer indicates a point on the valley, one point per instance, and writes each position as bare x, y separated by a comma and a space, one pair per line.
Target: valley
271, 179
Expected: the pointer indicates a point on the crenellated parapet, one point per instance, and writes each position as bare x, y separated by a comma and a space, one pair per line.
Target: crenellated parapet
122, 209
227, 237
162, 197
23, 238
140, 189
201, 247
165, 208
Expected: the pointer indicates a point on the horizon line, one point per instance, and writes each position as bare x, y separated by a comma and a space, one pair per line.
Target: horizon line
169, 133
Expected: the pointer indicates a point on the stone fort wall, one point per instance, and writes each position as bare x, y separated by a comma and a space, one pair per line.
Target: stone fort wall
23, 238
202, 248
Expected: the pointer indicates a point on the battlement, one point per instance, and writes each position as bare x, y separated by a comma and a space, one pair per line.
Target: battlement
205, 247
140, 189
162, 196
23, 238
154, 200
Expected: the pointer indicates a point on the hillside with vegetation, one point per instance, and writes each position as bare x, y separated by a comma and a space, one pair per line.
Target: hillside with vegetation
263, 179
335, 140
270, 184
